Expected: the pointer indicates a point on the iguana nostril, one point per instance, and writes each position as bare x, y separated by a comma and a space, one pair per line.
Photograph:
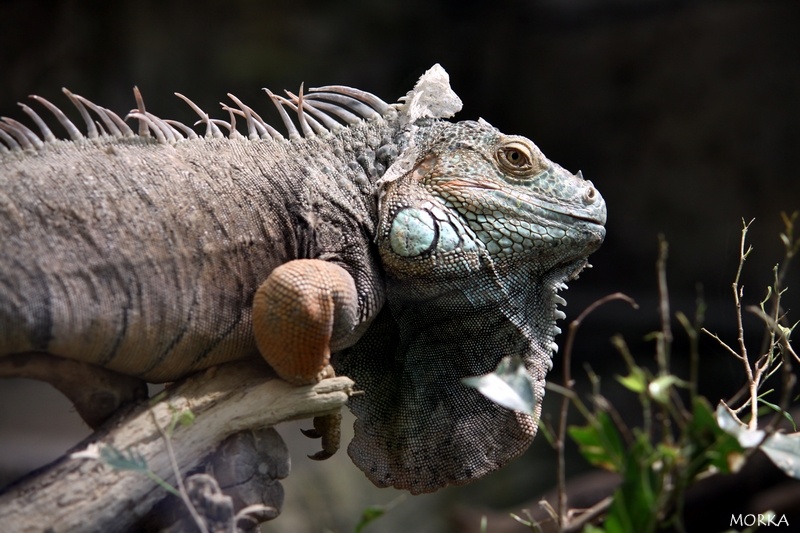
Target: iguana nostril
590, 196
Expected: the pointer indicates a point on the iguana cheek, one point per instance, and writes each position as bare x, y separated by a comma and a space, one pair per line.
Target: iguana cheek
416, 231
412, 233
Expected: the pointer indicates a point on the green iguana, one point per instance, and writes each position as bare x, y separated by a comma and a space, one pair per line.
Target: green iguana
405, 250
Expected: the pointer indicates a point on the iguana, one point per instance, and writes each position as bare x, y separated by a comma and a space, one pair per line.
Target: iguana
406, 250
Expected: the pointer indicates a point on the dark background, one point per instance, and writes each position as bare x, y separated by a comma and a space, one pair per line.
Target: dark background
685, 115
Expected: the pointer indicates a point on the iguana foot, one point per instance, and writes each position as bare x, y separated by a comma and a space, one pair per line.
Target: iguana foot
327, 428
95, 392
303, 308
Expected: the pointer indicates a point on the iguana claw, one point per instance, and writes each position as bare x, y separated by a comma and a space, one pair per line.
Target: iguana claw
311, 433
327, 428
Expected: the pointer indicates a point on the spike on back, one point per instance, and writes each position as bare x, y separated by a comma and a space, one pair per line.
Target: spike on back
320, 111
323, 110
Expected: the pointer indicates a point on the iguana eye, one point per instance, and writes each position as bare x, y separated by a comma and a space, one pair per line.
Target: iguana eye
515, 158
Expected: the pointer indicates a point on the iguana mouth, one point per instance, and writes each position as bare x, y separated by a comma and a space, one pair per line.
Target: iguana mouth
599, 221
562, 215
476, 184
594, 215
566, 214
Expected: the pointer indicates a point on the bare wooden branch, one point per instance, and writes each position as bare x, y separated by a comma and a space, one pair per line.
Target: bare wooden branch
97, 393
78, 493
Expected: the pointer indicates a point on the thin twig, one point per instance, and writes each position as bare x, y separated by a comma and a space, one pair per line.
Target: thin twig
753, 373
589, 515
569, 385
663, 305
722, 343
664, 338
738, 291
792, 247
692, 330
176, 470
788, 379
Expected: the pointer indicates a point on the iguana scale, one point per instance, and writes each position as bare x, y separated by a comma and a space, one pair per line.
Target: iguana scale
406, 250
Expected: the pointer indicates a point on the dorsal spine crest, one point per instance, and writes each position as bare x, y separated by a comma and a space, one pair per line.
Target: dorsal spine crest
324, 110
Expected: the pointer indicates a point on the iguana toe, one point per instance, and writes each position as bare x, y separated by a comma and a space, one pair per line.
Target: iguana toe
327, 428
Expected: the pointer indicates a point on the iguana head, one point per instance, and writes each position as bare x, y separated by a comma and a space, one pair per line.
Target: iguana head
476, 198
477, 232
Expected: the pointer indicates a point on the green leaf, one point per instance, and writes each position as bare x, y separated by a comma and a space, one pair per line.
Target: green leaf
134, 461
185, 418
669, 453
711, 445
659, 387
370, 514
636, 500
510, 385
777, 409
373, 512
748, 438
123, 460
784, 451
600, 442
636, 381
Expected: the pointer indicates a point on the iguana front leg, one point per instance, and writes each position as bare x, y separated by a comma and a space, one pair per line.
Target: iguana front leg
302, 309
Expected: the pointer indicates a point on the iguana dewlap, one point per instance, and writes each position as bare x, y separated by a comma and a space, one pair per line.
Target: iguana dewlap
406, 250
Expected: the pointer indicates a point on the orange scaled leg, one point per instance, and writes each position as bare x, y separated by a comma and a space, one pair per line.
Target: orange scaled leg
303, 308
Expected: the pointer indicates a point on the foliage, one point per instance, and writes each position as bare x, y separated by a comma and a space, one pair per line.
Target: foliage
133, 460
680, 441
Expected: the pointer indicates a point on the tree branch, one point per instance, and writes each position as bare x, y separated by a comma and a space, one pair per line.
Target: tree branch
76, 490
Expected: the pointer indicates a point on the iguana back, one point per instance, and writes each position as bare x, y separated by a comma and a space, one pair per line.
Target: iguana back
144, 257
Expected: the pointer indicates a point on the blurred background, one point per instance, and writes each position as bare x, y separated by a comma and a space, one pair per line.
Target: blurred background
684, 114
